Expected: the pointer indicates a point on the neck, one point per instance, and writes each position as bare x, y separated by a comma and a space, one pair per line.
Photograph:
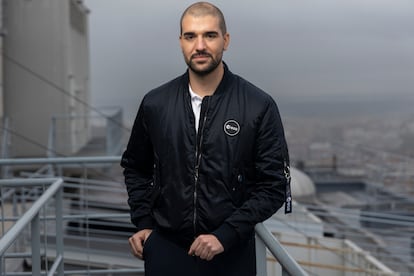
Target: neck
206, 85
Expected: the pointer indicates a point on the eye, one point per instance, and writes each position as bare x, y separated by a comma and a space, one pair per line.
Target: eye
211, 35
189, 36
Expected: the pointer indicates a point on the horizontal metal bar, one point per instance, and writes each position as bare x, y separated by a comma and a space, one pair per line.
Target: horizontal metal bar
61, 160
17, 255
88, 272
104, 271
341, 211
99, 182
25, 220
81, 216
24, 182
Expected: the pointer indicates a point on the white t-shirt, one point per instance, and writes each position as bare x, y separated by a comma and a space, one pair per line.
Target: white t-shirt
196, 101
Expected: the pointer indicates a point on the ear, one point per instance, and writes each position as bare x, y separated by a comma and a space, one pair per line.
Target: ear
226, 41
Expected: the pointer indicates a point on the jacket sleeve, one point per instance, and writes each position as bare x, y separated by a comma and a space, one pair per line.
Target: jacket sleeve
138, 164
268, 193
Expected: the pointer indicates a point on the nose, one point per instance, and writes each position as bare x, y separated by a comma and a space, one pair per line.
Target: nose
200, 44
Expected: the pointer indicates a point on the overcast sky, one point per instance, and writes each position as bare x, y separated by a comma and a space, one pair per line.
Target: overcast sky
296, 50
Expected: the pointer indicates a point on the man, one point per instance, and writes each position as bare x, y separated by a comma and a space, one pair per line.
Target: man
205, 161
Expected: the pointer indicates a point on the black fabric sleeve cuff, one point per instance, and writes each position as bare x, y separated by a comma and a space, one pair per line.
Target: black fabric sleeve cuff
144, 223
227, 236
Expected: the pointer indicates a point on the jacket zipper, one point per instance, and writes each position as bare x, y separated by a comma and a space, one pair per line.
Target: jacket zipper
197, 165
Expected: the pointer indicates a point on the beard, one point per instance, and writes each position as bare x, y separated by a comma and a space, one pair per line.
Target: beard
212, 64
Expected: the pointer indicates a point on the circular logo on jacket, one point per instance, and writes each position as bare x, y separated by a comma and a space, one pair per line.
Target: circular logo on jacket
231, 127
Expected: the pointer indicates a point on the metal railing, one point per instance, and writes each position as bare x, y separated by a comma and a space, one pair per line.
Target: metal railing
31, 219
264, 239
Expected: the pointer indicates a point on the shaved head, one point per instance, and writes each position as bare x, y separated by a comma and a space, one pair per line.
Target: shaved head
202, 9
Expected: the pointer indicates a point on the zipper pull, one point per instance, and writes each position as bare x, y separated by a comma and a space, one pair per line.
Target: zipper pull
288, 194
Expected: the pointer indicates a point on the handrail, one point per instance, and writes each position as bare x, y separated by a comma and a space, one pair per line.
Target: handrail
289, 265
60, 160
31, 217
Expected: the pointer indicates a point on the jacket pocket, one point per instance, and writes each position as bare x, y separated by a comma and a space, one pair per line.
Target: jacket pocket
237, 187
156, 185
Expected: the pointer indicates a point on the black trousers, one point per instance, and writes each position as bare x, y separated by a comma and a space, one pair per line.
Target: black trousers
164, 257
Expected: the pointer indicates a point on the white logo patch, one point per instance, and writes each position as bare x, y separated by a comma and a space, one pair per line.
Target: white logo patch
231, 127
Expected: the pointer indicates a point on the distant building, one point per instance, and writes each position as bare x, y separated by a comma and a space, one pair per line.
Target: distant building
46, 75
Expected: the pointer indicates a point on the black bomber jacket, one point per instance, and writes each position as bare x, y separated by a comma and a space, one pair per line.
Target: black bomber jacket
221, 180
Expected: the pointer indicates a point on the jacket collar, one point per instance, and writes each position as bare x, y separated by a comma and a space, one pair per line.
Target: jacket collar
221, 88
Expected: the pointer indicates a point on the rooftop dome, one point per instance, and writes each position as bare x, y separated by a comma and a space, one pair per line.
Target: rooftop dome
301, 184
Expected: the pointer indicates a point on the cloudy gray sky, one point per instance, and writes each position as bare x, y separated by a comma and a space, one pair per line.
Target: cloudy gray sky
296, 50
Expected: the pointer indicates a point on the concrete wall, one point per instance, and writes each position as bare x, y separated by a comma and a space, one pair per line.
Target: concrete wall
1, 61
46, 65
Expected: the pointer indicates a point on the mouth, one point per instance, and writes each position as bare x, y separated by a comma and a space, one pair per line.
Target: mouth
200, 56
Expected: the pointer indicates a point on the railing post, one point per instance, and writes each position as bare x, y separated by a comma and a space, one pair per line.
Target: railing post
59, 230
35, 236
261, 262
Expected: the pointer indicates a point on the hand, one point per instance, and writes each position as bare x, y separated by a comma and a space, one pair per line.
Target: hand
206, 247
137, 241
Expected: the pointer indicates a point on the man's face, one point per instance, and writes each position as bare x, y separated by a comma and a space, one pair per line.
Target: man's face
202, 43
